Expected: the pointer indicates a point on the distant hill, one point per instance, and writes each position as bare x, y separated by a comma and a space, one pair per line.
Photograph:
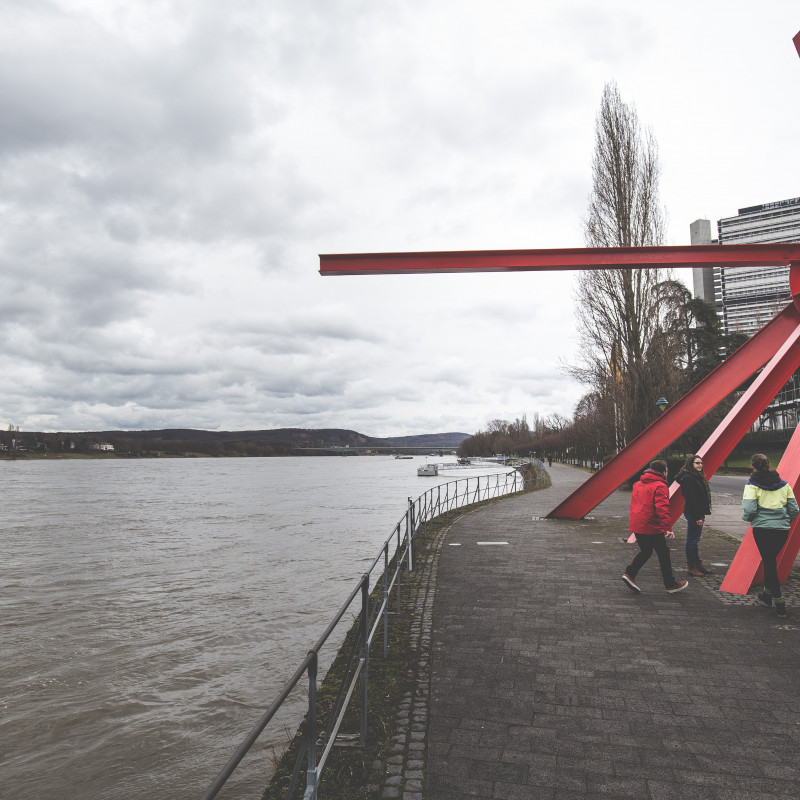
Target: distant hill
281, 441
309, 437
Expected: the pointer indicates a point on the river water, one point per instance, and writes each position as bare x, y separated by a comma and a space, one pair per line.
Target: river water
151, 610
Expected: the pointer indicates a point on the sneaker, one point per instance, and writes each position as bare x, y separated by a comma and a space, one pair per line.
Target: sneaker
630, 583
703, 568
694, 571
765, 599
780, 609
677, 587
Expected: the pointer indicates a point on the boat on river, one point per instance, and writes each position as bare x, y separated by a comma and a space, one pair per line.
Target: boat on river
428, 470
398, 455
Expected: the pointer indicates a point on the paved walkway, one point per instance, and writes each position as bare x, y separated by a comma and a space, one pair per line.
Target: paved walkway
550, 679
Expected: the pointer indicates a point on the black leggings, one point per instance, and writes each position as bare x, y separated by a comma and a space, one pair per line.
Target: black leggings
647, 543
770, 542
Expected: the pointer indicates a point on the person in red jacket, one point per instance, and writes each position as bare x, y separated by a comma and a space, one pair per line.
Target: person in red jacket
649, 522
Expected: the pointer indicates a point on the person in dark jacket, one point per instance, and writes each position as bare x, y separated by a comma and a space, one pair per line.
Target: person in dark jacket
696, 506
649, 522
769, 505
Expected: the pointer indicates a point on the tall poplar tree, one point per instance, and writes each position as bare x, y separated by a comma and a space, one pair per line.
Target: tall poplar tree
620, 311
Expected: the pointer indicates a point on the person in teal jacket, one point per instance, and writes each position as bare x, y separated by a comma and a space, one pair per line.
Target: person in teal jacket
769, 505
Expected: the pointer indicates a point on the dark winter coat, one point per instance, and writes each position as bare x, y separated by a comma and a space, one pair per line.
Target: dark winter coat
696, 495
649, 504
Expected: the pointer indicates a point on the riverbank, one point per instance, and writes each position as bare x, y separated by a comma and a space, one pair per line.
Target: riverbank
393, 759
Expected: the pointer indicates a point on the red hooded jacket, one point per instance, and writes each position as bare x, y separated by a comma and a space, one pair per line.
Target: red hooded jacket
649, 504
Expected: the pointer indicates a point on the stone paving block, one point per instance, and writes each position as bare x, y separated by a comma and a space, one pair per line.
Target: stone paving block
666, 790
627, 769
616, 787
498, 771
514, 791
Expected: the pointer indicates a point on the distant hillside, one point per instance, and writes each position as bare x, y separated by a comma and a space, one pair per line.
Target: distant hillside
187, 441
309, 437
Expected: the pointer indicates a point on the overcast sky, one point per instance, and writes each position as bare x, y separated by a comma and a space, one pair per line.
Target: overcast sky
170, 171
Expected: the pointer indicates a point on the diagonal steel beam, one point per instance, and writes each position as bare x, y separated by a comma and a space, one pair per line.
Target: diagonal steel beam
740, 418
697, 402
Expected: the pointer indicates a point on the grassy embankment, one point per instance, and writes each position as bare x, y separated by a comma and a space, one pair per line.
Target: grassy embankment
739, 463
353, 773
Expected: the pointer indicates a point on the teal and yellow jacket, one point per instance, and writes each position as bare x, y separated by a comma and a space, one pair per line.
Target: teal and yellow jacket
769, 501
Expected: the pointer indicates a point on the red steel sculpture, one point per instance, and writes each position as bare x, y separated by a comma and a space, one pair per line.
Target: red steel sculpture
776, 348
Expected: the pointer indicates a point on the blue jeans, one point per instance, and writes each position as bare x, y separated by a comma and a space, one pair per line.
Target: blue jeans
693, 531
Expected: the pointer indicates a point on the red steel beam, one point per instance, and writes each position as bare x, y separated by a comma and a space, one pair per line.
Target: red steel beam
740, 418
699, 400
570, 258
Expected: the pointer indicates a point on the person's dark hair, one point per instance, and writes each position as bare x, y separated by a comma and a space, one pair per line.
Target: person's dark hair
689, 463
659, 466
760, 462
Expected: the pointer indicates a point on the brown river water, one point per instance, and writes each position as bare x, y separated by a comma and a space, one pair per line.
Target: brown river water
150, 611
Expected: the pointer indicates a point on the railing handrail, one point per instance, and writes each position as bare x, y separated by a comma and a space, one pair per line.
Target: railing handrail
403, 551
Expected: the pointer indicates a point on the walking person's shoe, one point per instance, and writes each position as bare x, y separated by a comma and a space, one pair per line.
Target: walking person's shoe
703, 568
780, 609
677, 587
694, 571
765, 599
630, 583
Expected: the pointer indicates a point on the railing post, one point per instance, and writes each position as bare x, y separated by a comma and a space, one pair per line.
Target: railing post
311, 731
410, 531
386, 600
398, 565
364, 656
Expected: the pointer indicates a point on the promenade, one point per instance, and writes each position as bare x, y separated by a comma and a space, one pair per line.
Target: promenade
550, 679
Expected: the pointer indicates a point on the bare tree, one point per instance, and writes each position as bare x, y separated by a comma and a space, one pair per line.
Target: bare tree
624, 209
620, 312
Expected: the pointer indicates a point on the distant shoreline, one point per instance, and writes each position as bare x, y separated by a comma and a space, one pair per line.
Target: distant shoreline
135, 456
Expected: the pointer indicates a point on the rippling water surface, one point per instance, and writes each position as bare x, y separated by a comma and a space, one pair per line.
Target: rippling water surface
151, 610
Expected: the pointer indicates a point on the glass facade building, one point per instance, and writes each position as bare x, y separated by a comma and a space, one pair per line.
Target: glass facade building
748, 297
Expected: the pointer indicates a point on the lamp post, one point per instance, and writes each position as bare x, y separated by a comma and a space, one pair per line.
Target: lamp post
662, 403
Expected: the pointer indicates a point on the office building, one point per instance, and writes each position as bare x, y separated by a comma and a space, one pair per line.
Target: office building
748, 297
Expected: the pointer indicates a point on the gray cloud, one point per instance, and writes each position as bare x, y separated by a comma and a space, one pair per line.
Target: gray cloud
170, 171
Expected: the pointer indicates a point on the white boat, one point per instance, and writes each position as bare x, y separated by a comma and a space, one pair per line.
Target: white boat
427, 470
401, 456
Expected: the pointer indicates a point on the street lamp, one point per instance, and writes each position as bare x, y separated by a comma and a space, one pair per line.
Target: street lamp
662, 404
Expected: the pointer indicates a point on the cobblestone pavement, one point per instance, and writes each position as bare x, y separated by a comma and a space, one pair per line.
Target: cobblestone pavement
549, 678
402, 776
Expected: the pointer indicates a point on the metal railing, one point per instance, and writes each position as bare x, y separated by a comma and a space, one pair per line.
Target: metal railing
439, 501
